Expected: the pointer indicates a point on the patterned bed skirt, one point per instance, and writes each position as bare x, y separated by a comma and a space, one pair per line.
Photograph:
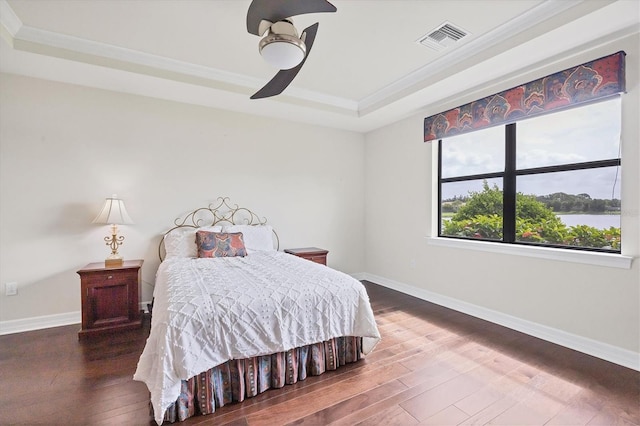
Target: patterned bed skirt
236, 380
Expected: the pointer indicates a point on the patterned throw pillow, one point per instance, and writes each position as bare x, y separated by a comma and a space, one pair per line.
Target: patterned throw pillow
220, 244
181, 242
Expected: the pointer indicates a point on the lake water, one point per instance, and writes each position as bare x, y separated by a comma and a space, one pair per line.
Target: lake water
600, 221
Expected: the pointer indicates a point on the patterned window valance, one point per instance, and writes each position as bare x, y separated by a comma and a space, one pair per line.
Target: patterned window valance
587, 82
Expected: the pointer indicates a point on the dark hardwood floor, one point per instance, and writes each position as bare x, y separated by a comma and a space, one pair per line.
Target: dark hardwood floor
434, 366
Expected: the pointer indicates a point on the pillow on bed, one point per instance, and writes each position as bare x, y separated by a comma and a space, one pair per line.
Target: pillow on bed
220, 244
256, 237
181, 242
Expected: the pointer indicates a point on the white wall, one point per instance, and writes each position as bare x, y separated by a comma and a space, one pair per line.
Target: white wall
597, 303
368, 200
64, 148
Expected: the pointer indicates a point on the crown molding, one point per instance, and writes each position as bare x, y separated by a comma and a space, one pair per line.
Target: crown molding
9, 19
51, 43
517, 25
167, 66
69, 47
391, 99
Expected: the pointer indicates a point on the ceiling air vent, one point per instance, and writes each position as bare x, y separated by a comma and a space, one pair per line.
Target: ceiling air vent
442, 37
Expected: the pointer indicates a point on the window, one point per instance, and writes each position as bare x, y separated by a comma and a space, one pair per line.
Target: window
552, 180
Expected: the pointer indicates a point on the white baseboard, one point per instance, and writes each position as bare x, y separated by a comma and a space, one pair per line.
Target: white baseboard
46, 321
37, 323
601, 350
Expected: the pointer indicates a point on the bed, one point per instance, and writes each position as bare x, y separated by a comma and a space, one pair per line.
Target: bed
234, 317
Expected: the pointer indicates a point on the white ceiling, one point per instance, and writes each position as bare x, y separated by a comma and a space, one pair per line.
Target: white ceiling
366, 69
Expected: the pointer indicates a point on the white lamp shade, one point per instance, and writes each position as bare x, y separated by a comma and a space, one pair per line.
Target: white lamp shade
282, 54
113, 212
281, 47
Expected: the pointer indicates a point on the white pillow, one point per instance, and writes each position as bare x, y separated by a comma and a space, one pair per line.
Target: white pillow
256, 237
181, 242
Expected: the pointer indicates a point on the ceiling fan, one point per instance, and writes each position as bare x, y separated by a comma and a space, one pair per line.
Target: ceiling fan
281, 46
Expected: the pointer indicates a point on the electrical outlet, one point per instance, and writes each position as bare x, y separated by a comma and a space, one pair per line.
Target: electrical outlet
11, 289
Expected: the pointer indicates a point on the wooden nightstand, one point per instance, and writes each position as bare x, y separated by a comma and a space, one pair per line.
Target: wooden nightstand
310, 253
110, 300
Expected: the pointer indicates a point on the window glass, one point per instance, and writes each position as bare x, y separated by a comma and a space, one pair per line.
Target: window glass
579, 208
602, 183
472, 209
474, 153
588, 133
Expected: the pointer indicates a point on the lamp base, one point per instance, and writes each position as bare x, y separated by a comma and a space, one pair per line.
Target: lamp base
113, 262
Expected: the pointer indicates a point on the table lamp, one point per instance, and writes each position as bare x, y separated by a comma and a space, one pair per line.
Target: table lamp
113, 213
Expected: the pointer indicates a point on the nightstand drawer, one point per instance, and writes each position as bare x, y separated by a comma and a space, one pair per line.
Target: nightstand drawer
313, 254
114, 278
317, 258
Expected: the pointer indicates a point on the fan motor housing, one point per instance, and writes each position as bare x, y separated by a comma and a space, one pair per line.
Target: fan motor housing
281, 47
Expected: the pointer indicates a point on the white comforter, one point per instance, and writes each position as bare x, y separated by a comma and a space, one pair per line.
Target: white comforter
208, 311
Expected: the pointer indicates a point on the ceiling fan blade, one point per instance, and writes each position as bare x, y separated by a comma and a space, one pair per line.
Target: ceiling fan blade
277, 10
284, 77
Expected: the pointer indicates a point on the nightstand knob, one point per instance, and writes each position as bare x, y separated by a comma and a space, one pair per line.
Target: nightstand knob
109, 277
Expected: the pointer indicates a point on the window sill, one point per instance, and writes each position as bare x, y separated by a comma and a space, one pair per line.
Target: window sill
591, 258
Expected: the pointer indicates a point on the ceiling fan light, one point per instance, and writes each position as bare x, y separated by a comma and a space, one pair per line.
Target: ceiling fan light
282, 51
